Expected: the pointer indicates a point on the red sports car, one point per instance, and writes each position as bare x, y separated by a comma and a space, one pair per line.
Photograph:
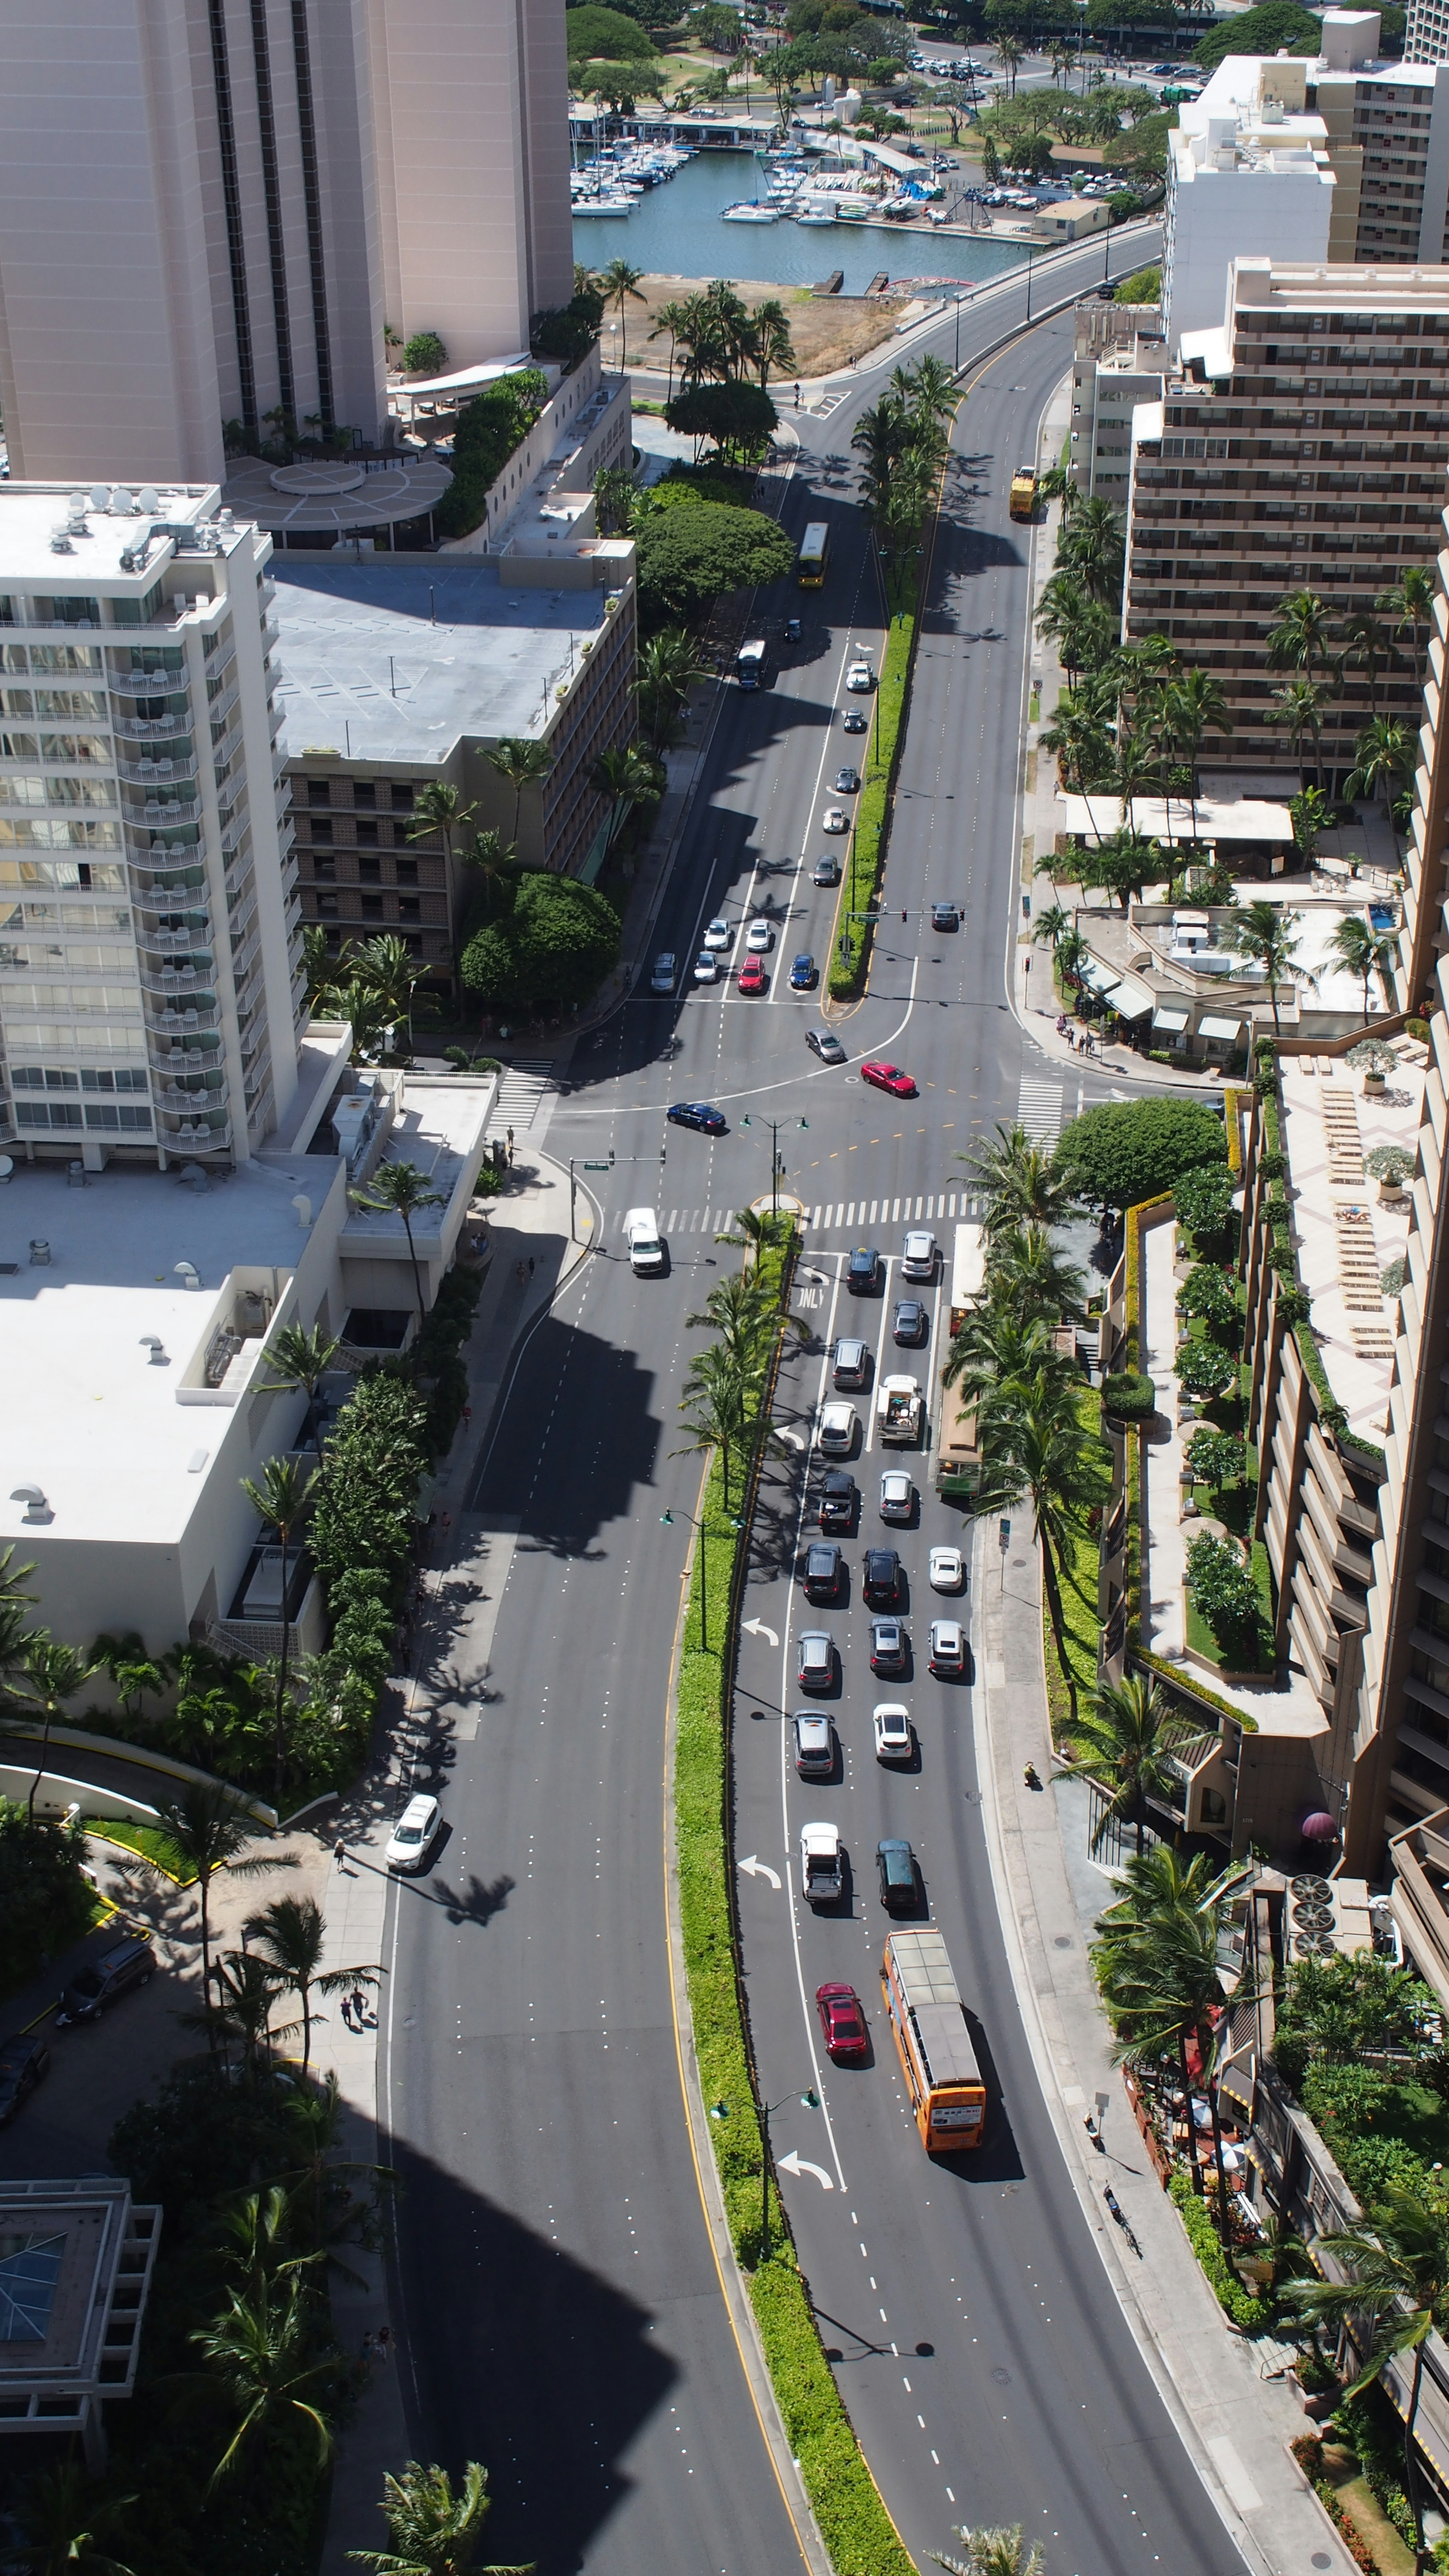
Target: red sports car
752, 977
889, 1077
843, 2022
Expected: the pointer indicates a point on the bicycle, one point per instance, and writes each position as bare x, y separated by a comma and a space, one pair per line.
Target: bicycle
1119, 2213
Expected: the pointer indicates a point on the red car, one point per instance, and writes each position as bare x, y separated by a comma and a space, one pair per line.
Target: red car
842, 2020
752, 977
889, 1077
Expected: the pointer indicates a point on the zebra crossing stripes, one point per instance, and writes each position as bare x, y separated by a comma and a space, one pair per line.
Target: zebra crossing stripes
526, 1098
1039, 1109
830, 1215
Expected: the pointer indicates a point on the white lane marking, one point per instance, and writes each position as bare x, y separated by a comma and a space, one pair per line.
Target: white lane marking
806, 2014
885, 1316
762, 1090
760, 1868
795, 2163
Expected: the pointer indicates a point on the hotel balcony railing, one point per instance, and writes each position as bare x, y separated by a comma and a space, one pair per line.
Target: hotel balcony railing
193, 939
168, 728
147, 684
180, 1063
158, 886
183, 1099
158, 773
200, 1135
162, 813
184, 1020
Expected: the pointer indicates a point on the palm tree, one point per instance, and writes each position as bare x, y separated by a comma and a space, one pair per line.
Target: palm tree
994, 1346
1093, 548
280, 1501
1410, 602
1397, 2294
290, 1934
300, 1361
520, 763
1309, 812
739, 1310
1301, 637
774, 348
1265, 931
206, 1829
1125, 1736
994, 2553
1079, 742
1015, 1178
386, 967
1366, 644
1051, 923
1194, 705
1034, 1448
257, 2352
439, 808
1031, 1278
246, 1989
135, 1674
1161, 1980
400, 1189
1010, 53
433, 2531
1359, 949
754, 1231
50, 1676
717, 1407
630, 776
668, 668
1299, 705
673, 318
1383, 754
64, 2522
325, 2212
616, 283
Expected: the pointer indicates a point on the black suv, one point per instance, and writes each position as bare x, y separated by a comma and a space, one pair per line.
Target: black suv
94, 1988
882, 1583
862, 1273
896, 1863
23, 2061
838, 1498
824, 1571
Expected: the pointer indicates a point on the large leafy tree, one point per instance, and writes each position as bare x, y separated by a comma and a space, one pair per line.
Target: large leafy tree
1124, 1151
554, 944
689, 557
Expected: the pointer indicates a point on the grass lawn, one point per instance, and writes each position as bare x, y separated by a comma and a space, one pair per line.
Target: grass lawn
1341, 2472
1083, 1627
146, 1839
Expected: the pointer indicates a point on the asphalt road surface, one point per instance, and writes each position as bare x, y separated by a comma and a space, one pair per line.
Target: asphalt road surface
557, 2294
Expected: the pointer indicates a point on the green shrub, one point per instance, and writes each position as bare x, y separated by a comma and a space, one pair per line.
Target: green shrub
1226, 1596
1205, 1369
1215, 1457
1370, 2426
1247, 2312
861, 883
1126, 1151
490, 428
1417, 1028
425, 354
1203, 1198
1129, 1395
1205, 1293
45, 1902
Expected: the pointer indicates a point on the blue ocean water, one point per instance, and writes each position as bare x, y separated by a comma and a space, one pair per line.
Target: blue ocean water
677, 230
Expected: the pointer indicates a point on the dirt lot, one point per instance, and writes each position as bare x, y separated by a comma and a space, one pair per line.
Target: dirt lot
827, 330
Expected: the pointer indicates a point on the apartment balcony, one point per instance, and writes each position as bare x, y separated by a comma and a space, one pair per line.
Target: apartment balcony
271, 634
159, 773
173, 1019
170, 728
191, 941
221, 705
198, 1135
181, 1064
187, 1101
146, 684
159, 886
162, 813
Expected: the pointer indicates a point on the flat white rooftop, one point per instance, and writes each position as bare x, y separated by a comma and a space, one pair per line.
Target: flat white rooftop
31, 514
86, 1416
1346, 1234
398, 661
437, 1129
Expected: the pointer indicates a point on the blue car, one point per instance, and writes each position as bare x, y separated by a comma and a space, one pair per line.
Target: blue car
802, 973
697, 1113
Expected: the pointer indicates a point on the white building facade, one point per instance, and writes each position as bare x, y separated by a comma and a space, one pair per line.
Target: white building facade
150, 937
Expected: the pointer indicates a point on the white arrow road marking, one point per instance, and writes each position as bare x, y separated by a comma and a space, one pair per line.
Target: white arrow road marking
796, 1439
761, 1869
757, 1628
795, 2163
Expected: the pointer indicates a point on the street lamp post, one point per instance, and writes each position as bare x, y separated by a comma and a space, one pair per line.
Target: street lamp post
774, 1125
667, 1521
1030, 255
809, 2101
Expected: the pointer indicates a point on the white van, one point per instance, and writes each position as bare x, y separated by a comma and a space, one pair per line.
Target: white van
641, 1233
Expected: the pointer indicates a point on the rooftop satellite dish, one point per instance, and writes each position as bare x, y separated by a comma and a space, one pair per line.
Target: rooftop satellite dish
7, 1166
147, 498
121, 502
100, 497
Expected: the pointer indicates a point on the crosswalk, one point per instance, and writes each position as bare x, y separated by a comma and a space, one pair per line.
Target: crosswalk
824, 405
1039, 1109
833, 1216
526, 1099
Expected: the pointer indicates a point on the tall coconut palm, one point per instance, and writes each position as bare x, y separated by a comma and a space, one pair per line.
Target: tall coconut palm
672, 317
1299, 705
1302, 637
439, 808
1034, 1448
258, 2354
64, 2523
1366, 645
616, 284
50, 1676
1360, 950
668, 668
1383, 756
291, 1935
1051, 923
205, 1829
1016, 1180
1196, 704
280, 1502
400, 1189
718, 1405
433, 2531
1269, 934
1410, 603
1079, 742
1010, 54
741, 1312
520, 763
1163, 1985
994, 2553
1093, 548
1125, 1737
136, 1676
993, 1345
774, 350
628, 775
1308, 811
1397, 2294
300, 1361
387, 967
1032, 1278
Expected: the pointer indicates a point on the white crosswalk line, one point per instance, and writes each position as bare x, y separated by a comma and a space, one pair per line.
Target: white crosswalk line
1039, 1109
526, 1098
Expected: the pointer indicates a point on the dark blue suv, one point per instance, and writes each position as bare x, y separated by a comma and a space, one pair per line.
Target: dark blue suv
802, 973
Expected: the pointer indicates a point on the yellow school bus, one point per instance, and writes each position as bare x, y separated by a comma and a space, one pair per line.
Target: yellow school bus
1022, 504
921, 1996
814, 556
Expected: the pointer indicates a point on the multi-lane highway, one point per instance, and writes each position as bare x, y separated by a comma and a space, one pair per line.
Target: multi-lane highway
563, 2317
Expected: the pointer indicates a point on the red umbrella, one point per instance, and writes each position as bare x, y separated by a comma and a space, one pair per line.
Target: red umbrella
1319, 1828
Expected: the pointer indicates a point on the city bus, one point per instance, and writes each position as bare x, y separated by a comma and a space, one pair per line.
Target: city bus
814, 556
921, 1996
958, 1445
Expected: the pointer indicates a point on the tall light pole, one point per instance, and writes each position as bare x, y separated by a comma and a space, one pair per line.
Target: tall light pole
667, 1521
774, 1125
809, 2101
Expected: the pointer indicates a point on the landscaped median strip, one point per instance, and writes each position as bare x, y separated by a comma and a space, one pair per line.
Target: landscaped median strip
854, 2524
867, 848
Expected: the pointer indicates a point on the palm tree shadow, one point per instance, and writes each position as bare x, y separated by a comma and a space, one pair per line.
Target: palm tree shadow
480, 1900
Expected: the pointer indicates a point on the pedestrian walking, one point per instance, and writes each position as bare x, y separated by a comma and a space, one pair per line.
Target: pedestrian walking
384, 2343
521, 1275
510, 1145
358, 2000
530, 1265
340, 1855
347, 2011
369, 2347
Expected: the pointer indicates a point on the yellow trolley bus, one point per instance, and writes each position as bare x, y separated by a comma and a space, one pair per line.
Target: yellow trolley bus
814, 555
924, 2003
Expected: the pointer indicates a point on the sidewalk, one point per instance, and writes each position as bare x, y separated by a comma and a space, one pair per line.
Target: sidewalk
1234, 2423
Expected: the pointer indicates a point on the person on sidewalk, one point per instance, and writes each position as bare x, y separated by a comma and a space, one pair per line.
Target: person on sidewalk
340, 1856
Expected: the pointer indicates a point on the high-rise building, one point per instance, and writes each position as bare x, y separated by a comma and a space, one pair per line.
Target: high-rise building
1118, 362
1247, 163
209, 209
1300, 447
150, 956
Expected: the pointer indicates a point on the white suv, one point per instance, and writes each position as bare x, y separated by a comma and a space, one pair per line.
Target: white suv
641, 1233
918, 1258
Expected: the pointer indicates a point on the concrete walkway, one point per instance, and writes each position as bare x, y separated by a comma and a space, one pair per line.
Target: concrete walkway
1235, 2423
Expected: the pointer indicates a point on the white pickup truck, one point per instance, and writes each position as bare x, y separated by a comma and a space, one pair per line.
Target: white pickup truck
898, 1411
822, 1873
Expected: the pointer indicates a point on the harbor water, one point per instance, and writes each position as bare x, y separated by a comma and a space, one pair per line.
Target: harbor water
678, 229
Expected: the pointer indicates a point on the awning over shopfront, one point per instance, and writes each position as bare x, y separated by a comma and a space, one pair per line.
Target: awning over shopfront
1174, 1021
1216, 1027
1119, 989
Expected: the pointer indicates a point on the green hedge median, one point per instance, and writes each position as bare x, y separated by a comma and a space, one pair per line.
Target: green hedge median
857, 2530
848, 966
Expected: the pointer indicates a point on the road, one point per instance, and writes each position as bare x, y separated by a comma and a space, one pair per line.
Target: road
556, 2292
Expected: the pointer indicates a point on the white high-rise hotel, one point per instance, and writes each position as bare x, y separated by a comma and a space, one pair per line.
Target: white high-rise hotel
210, 208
